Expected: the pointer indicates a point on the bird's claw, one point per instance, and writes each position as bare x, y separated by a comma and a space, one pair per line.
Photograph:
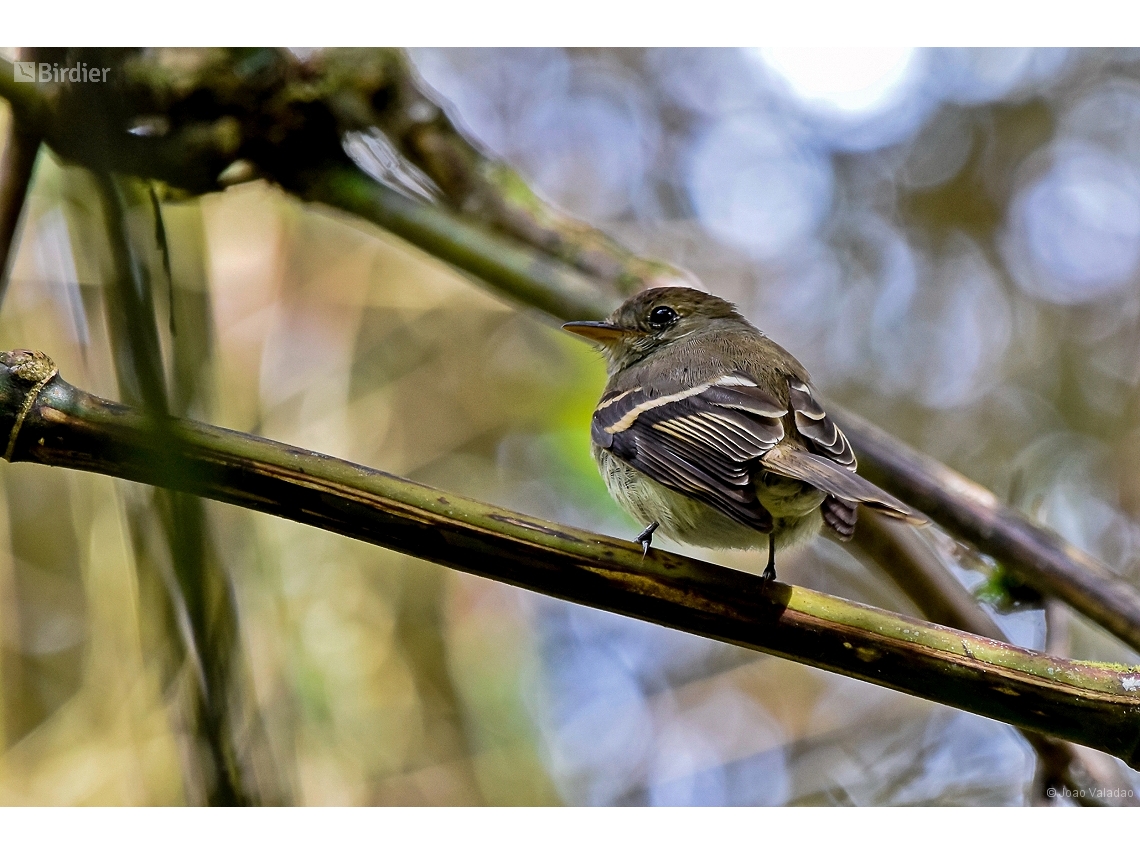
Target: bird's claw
646, 538
770, 570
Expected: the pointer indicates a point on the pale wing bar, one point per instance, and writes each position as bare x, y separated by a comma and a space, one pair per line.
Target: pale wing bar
700, 441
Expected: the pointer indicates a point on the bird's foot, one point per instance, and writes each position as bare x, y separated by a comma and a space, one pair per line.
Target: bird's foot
646, 538
770, 570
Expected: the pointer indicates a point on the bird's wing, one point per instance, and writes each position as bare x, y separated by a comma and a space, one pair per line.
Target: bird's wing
820, 433
707, 440
828, 464
823, 437
837, 481
702, 440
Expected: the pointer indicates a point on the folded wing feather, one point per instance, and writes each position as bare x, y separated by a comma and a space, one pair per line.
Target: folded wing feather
836, 481
707, 441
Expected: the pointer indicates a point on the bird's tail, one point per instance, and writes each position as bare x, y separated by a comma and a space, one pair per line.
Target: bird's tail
847, 488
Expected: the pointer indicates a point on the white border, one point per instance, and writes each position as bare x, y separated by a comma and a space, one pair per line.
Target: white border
577, 22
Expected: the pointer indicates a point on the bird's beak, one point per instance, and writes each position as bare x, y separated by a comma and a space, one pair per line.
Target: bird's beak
596, 331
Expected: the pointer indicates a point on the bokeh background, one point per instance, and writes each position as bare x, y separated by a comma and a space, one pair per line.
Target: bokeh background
948, 239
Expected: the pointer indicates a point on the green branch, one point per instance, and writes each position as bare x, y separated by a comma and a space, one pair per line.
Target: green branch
1093, 704
518, 271
970, 511
415, 121
914, 565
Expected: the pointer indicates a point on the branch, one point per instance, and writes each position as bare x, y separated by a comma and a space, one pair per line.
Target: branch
414, 119
520, 272
200, 595
50, 422
972, 512
908, 558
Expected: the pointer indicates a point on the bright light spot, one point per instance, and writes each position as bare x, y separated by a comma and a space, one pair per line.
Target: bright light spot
848, 80
1080, 223
755, 188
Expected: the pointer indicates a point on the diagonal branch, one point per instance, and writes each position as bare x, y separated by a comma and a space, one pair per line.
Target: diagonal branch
53, 423
970, 511
523, 274
908, 558
413, 118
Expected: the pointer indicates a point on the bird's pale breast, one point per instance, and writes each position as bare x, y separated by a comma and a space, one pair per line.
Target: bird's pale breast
793, 505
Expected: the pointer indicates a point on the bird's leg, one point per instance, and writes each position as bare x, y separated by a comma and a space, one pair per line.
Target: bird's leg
646, 538
770, 570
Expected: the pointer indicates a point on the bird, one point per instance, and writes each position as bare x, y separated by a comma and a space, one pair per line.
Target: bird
711, 433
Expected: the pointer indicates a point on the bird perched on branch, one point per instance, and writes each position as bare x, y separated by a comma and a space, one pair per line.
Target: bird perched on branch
711, 432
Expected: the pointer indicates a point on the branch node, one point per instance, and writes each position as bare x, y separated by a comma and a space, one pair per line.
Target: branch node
29, 366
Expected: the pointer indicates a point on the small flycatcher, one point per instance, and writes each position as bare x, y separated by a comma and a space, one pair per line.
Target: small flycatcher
711, 432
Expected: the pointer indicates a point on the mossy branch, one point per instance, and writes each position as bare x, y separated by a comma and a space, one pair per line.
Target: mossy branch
414, 119
970, 511
50, 422
915, 566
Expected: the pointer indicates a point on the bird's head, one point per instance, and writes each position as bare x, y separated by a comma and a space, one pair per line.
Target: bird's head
654, 318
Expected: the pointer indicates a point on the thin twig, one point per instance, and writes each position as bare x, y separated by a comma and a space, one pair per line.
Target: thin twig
1095, 704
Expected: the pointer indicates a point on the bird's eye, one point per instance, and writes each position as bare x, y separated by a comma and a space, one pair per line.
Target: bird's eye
662, 317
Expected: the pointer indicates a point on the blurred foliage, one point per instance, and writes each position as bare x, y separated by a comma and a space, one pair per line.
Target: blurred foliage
1006, 593
959, 262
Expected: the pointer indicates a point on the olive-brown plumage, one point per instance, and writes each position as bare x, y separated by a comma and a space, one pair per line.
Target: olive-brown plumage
711, 432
